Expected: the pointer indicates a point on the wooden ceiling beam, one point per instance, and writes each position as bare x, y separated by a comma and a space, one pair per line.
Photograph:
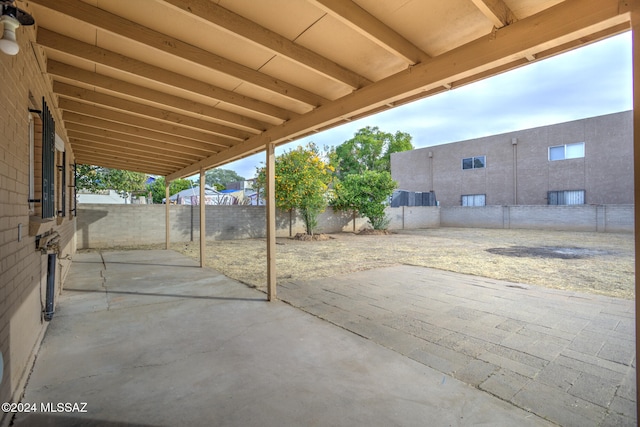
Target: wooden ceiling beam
70, 46
123, 141
559, 24
80, 143
106, 164
89, 157
106, 114
69, 72
104, 20
496, 11
373, 29
182, 120
274, 42
145, 136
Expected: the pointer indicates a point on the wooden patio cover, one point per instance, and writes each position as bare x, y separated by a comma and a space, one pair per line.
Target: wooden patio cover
174, 87
168, 87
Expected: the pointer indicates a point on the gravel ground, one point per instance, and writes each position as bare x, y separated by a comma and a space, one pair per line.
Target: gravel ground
600, 263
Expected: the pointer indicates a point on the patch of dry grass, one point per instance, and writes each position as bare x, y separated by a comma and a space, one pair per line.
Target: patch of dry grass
464, 250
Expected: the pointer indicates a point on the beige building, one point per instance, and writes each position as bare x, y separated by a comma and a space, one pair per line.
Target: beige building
37, 206
588, 161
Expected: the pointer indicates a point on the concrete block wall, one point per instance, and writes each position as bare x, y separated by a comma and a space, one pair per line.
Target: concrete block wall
616, 218
104, 226
479, 217
601, 218
23, 269
408, 217
570, 218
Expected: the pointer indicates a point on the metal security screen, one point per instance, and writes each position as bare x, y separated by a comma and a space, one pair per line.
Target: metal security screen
63, 185
570, 197
48, 162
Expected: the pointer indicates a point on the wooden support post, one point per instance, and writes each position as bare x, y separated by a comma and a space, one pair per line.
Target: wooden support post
203, 219
635, 28
271, 222
166, 215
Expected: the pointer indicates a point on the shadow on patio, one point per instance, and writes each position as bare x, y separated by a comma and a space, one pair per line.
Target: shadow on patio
128, 343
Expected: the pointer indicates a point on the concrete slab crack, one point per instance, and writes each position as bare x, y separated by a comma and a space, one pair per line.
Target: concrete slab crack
103, 275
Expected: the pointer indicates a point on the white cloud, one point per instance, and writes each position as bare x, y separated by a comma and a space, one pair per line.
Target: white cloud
586, 82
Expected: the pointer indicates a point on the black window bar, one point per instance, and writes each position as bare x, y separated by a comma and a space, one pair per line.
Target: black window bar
48, 162
74, 210
63, 185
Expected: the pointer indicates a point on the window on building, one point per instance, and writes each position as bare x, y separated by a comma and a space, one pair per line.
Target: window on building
477, 162
473, 200
32, 164
48, 163
43, 163
568, 197
73, 197
61, 182
567, 151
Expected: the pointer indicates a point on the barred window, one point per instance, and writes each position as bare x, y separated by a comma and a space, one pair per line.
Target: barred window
567, 197
48, 162
42, 163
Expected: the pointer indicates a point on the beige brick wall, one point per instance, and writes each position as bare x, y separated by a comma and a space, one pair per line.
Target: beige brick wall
522, 174
23, 269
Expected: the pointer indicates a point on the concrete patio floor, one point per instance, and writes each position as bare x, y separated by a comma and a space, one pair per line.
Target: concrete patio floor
568, 357
146, 338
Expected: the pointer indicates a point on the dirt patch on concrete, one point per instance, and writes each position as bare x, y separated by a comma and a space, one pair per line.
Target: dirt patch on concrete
311, 237
607, 270
549, 252
372, 232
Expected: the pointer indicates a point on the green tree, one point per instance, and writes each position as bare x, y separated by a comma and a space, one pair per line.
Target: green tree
125, 183
366, 194
220, 178
157, 188
369, 149
89, 177
302, 179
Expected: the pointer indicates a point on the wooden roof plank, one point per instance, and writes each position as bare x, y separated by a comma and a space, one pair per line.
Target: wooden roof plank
120, 162
70, 72
497, 11
372, 28
139, 122
121, 142
70, 46
110, 101
131, 133
122, 27
274, 42
83, 144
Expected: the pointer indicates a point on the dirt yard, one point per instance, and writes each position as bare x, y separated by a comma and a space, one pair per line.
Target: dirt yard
601, 263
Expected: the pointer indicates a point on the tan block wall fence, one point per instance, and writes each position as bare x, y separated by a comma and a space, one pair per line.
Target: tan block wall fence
103, 226
23, 269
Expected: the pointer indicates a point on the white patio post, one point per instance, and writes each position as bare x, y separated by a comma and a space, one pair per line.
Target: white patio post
271, 222
203, 218
635, 29
166, 216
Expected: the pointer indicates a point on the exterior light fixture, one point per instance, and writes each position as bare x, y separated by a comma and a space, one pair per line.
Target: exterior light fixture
11, 18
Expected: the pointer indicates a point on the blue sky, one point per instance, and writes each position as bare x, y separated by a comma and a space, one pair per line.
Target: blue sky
586, 82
